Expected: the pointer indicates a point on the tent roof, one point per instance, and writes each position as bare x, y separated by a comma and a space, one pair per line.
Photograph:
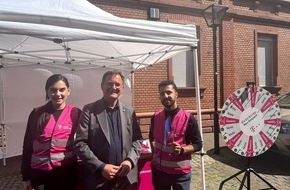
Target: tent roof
70, 37
78, 35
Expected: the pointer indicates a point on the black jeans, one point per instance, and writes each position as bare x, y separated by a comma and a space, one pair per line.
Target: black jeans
59, 178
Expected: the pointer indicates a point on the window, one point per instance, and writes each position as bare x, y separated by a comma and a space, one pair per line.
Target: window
267, 61
183, 69
183, 66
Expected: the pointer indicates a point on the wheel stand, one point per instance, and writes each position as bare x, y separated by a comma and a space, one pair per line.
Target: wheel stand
247, 177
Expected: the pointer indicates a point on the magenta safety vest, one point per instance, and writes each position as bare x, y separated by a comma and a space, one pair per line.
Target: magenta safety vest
164, 158
54, 147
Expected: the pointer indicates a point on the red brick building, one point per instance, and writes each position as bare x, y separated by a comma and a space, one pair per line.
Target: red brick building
253, 46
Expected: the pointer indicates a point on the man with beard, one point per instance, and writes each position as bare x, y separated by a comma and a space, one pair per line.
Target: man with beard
174, 135
109, 139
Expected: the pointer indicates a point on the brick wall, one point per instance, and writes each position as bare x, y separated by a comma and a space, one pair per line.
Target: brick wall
236, 46
146, 92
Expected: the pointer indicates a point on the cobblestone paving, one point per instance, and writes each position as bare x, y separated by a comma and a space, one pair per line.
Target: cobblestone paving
11, 183
274, 168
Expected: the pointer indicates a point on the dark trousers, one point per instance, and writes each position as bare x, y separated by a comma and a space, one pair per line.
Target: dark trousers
164, 181
95, 181
119, 183
59, 178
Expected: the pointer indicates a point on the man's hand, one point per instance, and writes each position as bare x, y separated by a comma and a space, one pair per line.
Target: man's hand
26, 185
125, 168
109, 172
177, 148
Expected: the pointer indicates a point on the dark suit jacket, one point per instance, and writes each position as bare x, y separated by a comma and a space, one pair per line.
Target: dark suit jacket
93, 140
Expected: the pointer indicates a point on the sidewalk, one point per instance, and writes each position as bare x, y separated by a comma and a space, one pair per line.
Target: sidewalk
270, 166
10, 178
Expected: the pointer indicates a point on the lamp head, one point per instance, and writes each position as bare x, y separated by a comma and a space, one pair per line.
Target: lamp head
214, 14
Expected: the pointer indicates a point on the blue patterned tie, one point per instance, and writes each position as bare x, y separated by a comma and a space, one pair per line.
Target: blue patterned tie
167, 129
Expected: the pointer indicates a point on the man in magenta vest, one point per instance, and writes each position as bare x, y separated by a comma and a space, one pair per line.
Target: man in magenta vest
109, 139
174, 135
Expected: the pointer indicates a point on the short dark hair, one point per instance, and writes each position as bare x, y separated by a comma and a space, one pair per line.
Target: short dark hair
166, 83
112, 73
54, 79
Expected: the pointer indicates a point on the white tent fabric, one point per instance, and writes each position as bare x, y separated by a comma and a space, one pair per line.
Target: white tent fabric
76, 38
39, 37
80, 34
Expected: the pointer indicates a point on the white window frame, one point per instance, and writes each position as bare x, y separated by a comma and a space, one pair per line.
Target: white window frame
183, 69
265, 55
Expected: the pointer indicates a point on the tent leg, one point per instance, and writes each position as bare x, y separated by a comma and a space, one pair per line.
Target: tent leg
3, 143
198, 108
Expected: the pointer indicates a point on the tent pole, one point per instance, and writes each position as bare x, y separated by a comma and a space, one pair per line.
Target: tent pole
198, 108
133, 88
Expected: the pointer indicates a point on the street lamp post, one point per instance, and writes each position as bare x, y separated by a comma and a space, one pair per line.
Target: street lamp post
213, 16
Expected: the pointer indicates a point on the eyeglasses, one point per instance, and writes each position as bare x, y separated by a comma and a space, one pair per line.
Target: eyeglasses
113, 85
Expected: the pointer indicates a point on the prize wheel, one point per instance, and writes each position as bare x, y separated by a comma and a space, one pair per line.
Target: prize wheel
250, 121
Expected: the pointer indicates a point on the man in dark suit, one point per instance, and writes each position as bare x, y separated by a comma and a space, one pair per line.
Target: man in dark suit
108, 139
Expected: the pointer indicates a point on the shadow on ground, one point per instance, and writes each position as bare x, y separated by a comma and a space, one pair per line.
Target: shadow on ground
267, 163
12, 167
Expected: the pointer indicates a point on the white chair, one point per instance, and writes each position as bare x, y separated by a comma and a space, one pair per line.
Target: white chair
3, 143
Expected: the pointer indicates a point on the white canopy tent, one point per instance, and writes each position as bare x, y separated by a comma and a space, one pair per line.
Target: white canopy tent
76, 38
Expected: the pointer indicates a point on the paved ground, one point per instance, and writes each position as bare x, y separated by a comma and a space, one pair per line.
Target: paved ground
273, 168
